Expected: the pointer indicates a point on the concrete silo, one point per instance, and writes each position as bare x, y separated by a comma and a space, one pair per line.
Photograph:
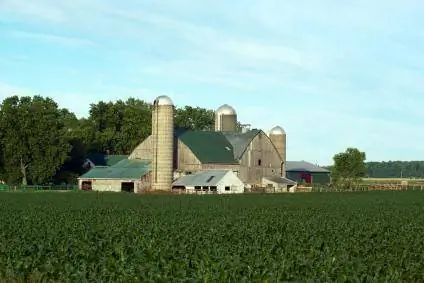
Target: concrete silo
278, 137
163, 143
225, 119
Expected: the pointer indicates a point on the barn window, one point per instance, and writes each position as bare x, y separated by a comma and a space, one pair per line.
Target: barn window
127, 187
227, 188
259, 162
197, 188
213, 188
86, 185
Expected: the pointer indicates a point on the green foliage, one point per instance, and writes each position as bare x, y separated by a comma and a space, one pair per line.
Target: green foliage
191, 118
33, 139
87, 237
395, 169
348, 168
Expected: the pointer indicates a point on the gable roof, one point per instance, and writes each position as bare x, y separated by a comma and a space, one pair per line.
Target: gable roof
303, 166
125, 169
105, 160
240, 141
208, 146
204, 178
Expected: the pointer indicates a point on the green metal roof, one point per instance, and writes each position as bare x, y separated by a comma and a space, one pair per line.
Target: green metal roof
125, 169
240, 141
105, 160
208, 146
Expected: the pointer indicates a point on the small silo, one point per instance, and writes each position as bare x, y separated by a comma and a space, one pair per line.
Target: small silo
163, 143
278, 137
225, 119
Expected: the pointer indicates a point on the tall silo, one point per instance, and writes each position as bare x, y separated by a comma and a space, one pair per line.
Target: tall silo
278, 137
163, 143
225, 119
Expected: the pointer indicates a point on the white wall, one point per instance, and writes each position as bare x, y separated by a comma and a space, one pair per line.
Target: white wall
105, 185
230, 180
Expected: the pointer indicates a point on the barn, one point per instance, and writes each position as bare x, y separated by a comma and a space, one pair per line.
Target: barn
250, 154
126, 176
210, 182
305, 172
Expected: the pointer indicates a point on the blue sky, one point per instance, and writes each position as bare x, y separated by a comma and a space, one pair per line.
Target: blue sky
332, 73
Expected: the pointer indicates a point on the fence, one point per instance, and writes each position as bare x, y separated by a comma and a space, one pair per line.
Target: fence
370, 187
4, 187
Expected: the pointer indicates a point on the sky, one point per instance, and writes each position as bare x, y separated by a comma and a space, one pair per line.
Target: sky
334, 74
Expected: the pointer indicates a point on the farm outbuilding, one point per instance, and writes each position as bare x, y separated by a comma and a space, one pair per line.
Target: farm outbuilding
305, 172
212, 181
126, 175
276, 184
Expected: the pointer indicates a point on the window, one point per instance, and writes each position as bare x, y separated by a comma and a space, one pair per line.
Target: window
213, 188
127, 187
227, 188
197, 188
259, 162
86, 186
205, 188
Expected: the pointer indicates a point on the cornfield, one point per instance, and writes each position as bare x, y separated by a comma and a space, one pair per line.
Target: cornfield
112, 237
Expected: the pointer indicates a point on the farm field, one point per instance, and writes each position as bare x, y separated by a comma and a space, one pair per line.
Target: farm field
109, 237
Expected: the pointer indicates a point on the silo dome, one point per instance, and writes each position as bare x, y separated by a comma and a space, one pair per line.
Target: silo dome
277, 130
226, 110
163, 100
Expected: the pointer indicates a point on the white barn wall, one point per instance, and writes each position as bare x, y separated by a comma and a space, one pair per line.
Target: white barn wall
230, 179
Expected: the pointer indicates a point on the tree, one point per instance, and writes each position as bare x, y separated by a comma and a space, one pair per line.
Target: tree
348, 168
33, 139
194, 118
73, 165
116, 127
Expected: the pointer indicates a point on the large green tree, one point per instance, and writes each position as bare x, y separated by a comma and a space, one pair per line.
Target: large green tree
194, 118
116, 127
348, 168
33, 139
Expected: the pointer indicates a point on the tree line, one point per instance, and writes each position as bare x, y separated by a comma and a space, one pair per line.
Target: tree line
41, 143
392, 169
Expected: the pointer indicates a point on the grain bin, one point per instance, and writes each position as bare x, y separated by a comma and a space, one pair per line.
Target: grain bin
278, 137
225, 119
163, 143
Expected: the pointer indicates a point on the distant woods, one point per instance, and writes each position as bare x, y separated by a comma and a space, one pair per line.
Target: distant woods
41, 143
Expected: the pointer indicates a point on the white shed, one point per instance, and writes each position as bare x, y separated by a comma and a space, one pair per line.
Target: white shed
212, 181
277, 184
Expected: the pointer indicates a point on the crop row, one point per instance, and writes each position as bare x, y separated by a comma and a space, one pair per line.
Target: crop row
83, 236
